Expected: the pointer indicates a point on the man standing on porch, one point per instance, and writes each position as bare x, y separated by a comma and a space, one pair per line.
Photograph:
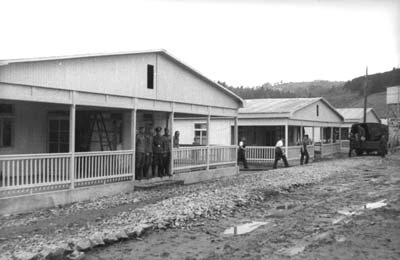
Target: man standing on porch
304, 151
242, 152
279, 154
148, 149
158, 152
140, 153
166, 140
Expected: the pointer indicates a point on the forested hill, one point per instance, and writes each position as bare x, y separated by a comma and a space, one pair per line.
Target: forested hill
376, 82
339, 94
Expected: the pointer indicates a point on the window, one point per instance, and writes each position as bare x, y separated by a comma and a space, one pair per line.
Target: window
150, 76
6, 124
317, 110
58, 135
200, 134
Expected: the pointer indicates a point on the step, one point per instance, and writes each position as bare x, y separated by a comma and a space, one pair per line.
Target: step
149, 184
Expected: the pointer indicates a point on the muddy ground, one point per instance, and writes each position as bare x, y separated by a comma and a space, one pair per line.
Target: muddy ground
321, 221
314, 219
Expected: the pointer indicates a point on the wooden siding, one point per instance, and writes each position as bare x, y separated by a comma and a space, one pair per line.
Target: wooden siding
309, 113
112, 80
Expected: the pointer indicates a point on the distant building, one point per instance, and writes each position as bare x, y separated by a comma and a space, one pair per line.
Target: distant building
263, 121
356, 115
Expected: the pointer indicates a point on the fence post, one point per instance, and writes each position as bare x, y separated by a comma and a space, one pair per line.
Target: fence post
72, 119
133, 140
208, 137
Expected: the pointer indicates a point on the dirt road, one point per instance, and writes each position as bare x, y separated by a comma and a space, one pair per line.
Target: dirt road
328, 220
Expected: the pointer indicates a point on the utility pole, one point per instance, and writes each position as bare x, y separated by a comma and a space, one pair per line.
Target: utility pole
365, 95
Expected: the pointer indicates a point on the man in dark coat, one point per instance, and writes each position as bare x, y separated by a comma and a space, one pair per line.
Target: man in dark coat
382, 146
352, 143
166, 152
279, 154
304, 151
158, 152
148, 161
140, 153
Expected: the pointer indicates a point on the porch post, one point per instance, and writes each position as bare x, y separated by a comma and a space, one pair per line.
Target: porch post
171, 118
301, 133
133, 141
236, 136
313, 134
72, 119
208, 137
286, 137
331, 135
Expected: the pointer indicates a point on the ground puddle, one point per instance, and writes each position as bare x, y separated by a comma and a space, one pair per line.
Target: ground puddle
244, 228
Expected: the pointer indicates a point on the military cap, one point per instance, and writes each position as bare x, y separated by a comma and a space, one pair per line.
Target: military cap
158, 129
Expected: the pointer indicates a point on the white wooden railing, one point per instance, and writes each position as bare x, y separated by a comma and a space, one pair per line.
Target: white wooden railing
32, 170
90, 166
294, 152
260, 153
345, 146
203, 156
330, 149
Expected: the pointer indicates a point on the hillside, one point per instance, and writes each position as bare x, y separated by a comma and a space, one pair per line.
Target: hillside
339, 94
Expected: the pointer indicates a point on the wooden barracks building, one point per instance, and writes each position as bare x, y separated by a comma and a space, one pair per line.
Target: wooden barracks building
68, 124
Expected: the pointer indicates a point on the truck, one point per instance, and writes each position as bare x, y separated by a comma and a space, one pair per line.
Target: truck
369, 138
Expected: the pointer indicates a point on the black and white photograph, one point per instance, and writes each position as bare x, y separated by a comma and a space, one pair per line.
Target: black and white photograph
199, 129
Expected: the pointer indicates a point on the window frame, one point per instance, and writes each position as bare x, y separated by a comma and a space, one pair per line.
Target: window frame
8, 116
202, 130
150, 76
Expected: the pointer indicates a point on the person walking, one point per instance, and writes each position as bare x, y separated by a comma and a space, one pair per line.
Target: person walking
158, 153
382, 146
352, 143
304, 151
279, 154
166, 140
242, 152
140, 153
148, 149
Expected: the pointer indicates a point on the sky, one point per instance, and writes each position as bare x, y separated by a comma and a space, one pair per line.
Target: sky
240, 42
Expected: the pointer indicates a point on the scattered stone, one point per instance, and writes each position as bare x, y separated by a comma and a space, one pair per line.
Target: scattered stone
76, 255
23, 255
340, 238
97, 240
110, 238
83, 245
121, 235
52, 252
292, 251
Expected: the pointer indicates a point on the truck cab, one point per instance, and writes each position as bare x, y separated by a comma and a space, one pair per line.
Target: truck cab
368, 137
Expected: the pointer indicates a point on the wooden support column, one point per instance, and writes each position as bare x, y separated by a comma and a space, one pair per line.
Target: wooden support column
331, 135
133, 141
72, 120
171, 118
286, 137
208, 137
236, 137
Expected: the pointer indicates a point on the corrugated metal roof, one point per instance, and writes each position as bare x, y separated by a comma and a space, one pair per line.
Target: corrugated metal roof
353, 113
275, 105
160, 51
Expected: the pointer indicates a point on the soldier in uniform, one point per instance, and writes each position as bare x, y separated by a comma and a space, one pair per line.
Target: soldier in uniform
304, 151
166, 152
148, 161
158, 152
140, 153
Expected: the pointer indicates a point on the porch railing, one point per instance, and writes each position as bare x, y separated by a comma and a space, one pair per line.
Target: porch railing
202, 156
294, 152
330, 149
32, 170
260, 154
103, 166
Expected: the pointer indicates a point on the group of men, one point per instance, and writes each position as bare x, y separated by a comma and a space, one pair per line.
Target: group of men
153, 151
279, 152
